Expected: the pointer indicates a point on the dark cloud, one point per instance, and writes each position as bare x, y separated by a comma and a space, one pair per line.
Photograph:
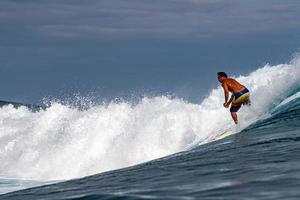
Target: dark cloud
147, 18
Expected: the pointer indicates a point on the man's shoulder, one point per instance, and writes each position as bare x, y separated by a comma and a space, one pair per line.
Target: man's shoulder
230, 80
227, 80
224, 83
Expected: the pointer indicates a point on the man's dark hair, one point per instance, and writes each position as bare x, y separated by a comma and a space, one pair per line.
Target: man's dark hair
222, 74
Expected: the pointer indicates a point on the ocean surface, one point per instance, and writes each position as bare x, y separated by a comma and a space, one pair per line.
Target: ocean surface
159, 147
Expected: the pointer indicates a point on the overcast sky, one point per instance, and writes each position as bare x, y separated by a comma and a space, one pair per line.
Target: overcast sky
147, 18
54, 47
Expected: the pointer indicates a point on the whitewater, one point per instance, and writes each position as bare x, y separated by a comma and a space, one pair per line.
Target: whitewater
62, 142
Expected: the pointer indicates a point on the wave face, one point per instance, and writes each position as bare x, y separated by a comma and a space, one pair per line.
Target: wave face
260, 162
62, 142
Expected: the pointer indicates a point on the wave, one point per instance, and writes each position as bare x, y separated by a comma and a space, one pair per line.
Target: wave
63, 142
265, 153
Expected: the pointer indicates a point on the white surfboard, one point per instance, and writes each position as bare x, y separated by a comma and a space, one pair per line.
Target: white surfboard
221, 136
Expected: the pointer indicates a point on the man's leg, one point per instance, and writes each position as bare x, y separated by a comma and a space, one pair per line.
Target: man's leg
234, 117
233, 110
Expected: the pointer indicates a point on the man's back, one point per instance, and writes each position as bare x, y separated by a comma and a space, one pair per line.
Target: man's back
233, 85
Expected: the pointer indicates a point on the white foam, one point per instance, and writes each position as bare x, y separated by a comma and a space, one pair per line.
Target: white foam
289, 99
62, 142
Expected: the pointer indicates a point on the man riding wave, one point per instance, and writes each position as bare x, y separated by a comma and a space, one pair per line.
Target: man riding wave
240, 94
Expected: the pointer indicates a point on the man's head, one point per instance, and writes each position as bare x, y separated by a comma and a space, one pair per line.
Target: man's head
222, 76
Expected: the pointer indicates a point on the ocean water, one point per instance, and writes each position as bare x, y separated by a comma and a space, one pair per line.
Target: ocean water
159, 147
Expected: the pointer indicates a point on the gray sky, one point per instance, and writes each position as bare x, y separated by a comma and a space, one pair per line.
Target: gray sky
147, 18
116, 47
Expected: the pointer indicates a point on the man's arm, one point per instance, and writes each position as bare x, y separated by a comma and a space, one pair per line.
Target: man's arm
226, 105
226, 92
231, 99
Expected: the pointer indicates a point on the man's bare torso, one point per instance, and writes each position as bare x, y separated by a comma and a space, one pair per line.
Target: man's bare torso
233, 85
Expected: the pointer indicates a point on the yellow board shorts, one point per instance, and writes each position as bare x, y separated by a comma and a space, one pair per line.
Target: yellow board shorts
240, 98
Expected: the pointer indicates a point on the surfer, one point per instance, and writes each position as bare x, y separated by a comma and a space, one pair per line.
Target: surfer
240, 94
